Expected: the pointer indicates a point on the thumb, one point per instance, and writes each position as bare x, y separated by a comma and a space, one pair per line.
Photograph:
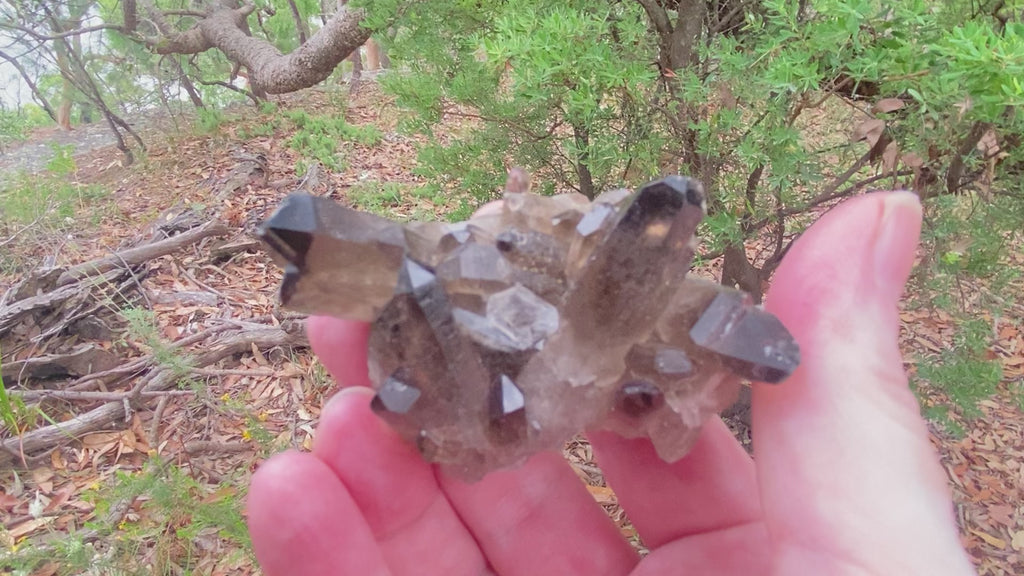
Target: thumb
849, 480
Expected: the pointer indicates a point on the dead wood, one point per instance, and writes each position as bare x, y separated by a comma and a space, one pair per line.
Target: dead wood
135, 256
194, 447
79, 361
157, 379
232, 247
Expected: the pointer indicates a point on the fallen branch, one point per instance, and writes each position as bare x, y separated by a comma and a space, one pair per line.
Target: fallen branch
141, 254
210, 447
159, 379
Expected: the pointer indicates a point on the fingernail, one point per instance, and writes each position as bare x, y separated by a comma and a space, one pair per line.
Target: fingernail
896, 243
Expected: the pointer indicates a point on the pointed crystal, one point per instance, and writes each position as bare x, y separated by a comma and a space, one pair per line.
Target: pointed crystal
395, 396
318, 237
499, 337
751, 342
638, 398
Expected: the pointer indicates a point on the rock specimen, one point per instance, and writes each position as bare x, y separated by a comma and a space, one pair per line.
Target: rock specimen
502, 336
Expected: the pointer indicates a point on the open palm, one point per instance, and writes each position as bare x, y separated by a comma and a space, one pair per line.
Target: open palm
845, 481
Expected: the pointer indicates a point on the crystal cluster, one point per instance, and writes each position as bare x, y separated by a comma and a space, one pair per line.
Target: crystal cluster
504, 335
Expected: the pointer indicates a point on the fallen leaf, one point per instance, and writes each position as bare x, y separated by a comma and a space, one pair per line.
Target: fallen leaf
887, 105
889, 157
912, 160
98, 440
1002, 514
870, 130
602, 494
29, 526
962, 107
48, 569
1018, 541
988, 145
990, 539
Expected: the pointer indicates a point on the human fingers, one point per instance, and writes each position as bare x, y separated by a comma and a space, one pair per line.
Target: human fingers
415, 528
713, 488
849, 479
539, 518
341, 345
303, 521
535, 519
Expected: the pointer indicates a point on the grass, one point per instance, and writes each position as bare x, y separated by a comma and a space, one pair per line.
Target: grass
40, 206
144, 330
377, 197
174, 519
317, 138
15, 125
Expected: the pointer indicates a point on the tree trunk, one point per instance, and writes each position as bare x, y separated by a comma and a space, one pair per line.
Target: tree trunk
271, 71
372, 55
300, 23
737, 271
582, 137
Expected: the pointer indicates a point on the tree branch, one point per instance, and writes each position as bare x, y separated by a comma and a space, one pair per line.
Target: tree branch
272, 71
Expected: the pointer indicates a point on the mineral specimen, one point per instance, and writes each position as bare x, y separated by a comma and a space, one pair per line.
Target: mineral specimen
502, 336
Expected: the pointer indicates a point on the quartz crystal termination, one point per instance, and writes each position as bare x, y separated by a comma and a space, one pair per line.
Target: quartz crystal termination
504, 335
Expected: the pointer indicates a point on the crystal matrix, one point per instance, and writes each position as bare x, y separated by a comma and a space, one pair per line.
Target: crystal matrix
501, 336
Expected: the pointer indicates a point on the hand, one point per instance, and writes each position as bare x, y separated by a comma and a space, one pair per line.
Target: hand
845, 481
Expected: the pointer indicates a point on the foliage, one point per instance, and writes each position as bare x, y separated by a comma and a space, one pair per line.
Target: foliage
317, 137
963, 372
376, 197
175, 513
38, 205
209, 120
791, 106
16, 124
144, 330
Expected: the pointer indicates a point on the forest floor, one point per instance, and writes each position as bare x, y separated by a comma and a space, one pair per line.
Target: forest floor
161, 489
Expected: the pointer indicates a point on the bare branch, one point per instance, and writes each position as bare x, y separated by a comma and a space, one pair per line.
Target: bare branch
271, 70
658, 16
66, 33
31, 85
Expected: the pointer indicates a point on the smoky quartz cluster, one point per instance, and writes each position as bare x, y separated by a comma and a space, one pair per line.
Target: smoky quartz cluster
507, 334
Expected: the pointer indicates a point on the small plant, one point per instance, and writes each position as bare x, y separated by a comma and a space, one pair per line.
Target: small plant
376, 197
63, 161
963, 372
144, 330
16, 124
209, 120
463, 212
34, 206
15, 415
317, 138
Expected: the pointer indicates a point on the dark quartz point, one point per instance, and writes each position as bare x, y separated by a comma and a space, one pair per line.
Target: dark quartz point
638, 398
751, 342
505, 335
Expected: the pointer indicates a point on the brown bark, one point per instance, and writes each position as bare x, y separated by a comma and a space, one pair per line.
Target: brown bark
270, 70
300, 23
136, 256
582, 162
739, 272
958, 164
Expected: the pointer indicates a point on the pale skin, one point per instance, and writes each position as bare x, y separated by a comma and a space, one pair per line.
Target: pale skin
846, 480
